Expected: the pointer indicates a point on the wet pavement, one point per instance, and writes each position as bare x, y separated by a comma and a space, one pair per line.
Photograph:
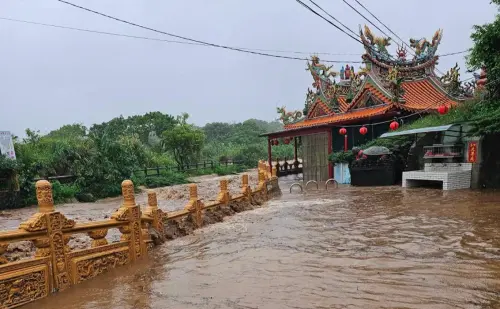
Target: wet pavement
346, 248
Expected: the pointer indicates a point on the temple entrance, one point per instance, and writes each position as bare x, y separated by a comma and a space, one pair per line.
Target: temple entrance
315, 157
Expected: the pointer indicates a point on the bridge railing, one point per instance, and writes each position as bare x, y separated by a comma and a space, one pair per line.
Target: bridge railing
54, 266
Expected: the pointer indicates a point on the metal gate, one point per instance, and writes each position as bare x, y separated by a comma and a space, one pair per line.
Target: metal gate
315, 157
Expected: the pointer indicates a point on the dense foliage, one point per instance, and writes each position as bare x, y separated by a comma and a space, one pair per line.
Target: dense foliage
486, 52
101, 156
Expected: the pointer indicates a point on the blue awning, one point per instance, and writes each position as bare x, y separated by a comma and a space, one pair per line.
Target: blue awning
417, 131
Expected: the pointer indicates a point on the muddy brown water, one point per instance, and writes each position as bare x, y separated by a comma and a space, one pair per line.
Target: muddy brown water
346, 248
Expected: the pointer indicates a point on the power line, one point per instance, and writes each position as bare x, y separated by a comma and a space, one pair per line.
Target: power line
322, 17
359, 13
169, 41
331, 23
369, 12
454, 53
319, 7
198, 44
187, 38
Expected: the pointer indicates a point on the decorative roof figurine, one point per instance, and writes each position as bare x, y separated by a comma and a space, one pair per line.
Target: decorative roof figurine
424, 49
347, 72
451, 81
380, 43
342, 70
402, 53
395, 85
288, 117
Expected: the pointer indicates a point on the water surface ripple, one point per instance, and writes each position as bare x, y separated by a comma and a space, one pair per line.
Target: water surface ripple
349, 248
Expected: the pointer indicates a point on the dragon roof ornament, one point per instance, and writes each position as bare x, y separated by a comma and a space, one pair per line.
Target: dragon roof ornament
376, 49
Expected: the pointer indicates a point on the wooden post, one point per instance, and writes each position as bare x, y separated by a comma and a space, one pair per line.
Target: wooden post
269, 154
330, 150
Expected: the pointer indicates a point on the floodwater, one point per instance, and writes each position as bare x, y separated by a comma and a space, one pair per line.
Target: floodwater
346, 248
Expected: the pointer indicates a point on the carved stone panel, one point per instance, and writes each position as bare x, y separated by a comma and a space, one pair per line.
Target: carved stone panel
22, 286
89, 266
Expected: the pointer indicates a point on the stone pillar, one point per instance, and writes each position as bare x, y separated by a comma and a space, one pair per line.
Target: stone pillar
153, 212
195, 206
131, 213
274, 172
53, 222
245, 188
224, 197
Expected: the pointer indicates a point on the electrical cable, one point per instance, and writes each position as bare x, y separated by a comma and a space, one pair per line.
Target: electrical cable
169, 41
369, 12
368, 20
183, 37
332, 17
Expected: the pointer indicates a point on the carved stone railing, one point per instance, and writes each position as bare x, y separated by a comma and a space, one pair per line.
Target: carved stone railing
55, 266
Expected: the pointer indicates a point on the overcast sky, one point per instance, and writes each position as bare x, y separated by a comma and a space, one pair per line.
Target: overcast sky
50, 77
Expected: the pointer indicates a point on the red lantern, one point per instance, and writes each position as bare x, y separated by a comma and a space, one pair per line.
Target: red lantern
394, 125
343, 131
443, 109
276, 142
286, 141
363, 130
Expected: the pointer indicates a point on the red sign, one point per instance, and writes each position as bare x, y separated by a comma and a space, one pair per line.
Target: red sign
472, 154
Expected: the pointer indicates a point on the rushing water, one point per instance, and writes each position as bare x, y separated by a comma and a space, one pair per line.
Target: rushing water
348, 248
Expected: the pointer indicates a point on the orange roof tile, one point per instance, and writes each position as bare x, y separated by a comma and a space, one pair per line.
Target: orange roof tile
373, 90
422, 94
343, 105
355, 114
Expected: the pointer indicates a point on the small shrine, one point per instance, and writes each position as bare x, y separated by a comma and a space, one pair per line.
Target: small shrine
351, 106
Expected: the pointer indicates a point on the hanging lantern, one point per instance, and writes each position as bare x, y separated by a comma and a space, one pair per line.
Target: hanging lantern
286, 141
394, 125
343, 131
276, 142
363, 130
443, 109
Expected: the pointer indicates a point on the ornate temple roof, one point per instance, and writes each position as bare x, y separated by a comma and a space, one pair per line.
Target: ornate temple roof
386, 83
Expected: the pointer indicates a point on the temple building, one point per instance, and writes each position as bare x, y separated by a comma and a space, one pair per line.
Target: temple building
349, 108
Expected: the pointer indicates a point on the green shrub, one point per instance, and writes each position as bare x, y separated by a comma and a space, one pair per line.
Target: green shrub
165, 179
63, 192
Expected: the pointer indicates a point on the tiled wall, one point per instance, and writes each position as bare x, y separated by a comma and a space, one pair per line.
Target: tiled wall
452, 175
447, 167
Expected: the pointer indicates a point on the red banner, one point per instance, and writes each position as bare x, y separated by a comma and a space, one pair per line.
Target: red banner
472, 154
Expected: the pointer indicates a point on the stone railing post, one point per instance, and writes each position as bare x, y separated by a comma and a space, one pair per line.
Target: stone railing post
274, 172
245, 188
131, 213
195, 206
224, 197
153, 212
54, 245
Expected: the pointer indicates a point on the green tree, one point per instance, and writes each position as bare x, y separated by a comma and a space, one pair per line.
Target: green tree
184, 141
486, 52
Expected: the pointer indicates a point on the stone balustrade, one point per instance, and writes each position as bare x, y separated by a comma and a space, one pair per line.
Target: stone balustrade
56, 267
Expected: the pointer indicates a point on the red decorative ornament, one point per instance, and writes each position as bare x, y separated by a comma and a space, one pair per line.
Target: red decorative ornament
394, 125
443, 109
276, 142
343, 131
286, 141
363, 130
